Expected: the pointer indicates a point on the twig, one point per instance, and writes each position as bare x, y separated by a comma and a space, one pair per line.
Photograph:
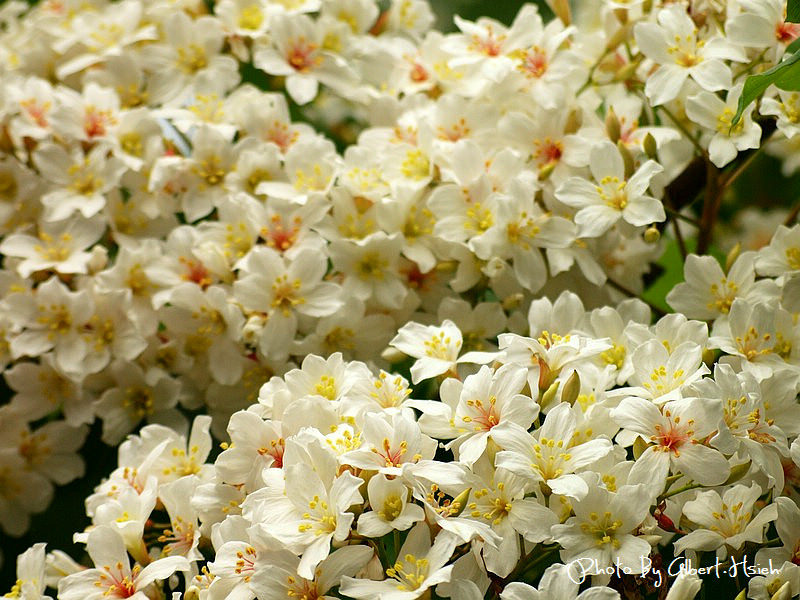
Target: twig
711, 205
675, 214
682, 128
792, 215
729, 178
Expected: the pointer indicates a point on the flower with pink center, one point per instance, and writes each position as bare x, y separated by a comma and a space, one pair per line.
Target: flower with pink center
469, 412
762, 24
112, 577
389, 443
676, 434
297, 52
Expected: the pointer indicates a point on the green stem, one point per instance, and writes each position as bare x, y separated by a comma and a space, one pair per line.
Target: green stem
677, 215
729, 178
547, 554
682, 128
592, 69
759, 60
675, 492
672, 479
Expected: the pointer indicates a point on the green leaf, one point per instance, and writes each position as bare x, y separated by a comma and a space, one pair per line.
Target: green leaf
793, 11
785, 76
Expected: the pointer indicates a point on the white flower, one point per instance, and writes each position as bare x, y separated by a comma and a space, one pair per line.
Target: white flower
60, 246
725, 521
391, 510
557, 583
675, 433
708, 110
80, 182
136, 395
674, 45
30, 581
256, 444
112, 575
761, 334
708, 292
469, 412
280, 288
659, 376
787, 524
746, 427
51, 319
549, 455
611, 197
189, 56
761, 24
766, 587
498, 497
604, 524
419, 566
371, 268
787, 108
435, 348
782, 255
279, 579
389, 443
102, 34
297, 52
209, 321
183, 534
304, 512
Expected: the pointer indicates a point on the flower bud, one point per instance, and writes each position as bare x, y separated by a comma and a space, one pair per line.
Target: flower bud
613, 127
626, 72
98, 260
372, 570
513, 301
784, 592
738, 472
561, 9
459, 503
572, 388
639, 446
732, 256
650, 147
621, 14
627, 159
253, 328
392, 355
574, 121
741, 595
550, 394
709, 356
618, 37
652, 234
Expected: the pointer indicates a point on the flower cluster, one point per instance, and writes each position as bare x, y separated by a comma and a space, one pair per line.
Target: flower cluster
176, 231
590, 435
